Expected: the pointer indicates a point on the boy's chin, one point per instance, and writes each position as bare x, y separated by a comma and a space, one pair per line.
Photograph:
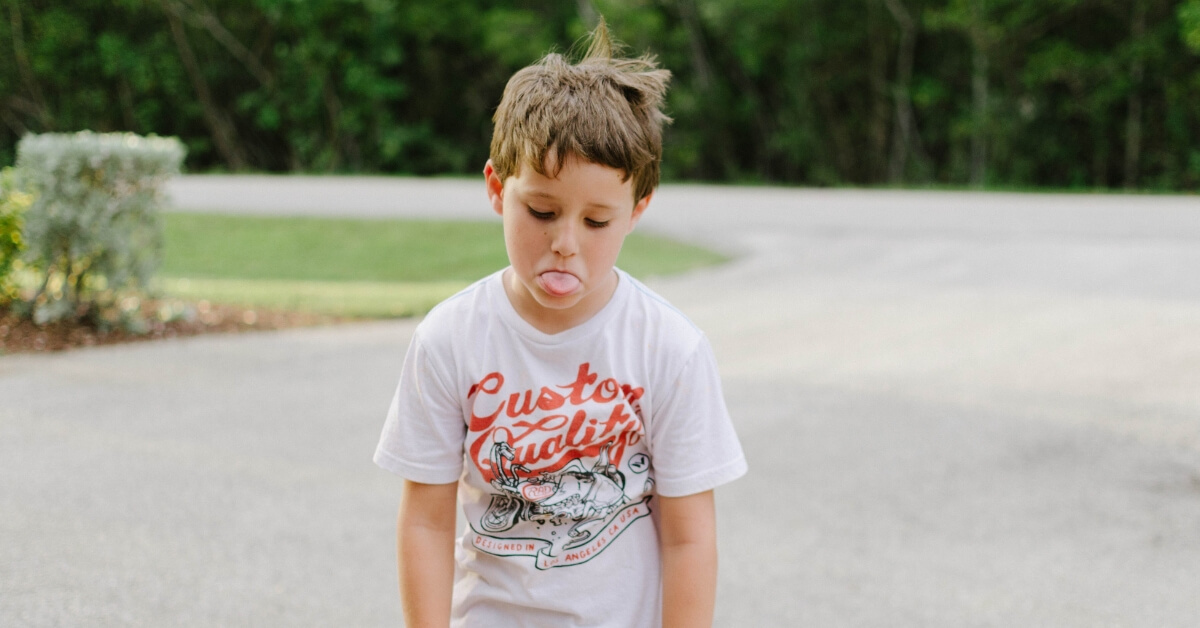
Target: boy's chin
555, 302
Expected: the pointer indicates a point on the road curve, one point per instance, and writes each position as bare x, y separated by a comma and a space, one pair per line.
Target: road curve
960, 410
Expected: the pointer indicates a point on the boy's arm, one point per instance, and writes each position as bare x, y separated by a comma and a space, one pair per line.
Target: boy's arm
688, 533
425, 544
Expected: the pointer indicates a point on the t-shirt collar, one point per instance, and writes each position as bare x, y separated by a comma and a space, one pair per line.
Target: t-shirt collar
591, 326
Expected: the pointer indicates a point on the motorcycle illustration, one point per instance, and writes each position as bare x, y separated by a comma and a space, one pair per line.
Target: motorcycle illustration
572, 493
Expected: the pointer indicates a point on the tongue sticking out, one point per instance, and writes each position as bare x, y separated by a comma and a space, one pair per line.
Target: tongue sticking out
559, 284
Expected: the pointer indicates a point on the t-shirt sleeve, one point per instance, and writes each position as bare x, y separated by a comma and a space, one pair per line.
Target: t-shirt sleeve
692, 440
423, 436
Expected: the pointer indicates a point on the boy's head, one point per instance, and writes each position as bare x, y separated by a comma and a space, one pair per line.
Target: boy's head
601, 110
574, 163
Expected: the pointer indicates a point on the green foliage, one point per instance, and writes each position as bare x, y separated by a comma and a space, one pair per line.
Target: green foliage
1063, 93
1189, 23
93, 232
13, 204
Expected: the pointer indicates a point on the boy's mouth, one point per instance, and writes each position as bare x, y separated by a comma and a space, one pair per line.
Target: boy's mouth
558, 284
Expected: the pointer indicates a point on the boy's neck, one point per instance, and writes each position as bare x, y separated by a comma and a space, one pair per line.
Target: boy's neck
555, 321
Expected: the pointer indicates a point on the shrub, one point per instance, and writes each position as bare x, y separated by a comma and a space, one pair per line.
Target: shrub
93, 233
13, 203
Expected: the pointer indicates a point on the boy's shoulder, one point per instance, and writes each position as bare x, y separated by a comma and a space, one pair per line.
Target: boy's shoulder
665, 337
451, 316
649, 310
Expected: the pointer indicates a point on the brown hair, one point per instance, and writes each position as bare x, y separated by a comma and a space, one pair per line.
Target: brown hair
602, 109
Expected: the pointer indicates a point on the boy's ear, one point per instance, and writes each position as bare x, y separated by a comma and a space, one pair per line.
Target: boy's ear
495, 188
639, 209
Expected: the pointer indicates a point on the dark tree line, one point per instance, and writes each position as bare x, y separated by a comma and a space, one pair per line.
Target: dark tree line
1062, 93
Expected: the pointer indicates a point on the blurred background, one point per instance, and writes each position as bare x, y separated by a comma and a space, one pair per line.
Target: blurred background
961, 408
1015, 94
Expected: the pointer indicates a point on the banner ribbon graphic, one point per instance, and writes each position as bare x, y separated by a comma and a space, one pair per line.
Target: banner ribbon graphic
544, 551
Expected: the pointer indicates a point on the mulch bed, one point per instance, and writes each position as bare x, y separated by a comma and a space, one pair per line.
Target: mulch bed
22, 336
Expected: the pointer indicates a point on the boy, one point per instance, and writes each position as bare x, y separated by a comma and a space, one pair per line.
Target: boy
577, 415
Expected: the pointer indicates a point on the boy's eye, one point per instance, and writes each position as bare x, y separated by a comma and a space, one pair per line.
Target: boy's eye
596, 223
540, 215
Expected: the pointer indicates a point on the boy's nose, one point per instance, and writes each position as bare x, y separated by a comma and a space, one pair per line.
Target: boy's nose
564, 240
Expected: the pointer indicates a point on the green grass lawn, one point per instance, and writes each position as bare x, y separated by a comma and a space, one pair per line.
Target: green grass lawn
357, 267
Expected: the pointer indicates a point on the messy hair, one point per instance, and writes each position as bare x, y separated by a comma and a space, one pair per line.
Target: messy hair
604, 110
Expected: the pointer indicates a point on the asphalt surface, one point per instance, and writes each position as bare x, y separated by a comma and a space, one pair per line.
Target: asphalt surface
959, 409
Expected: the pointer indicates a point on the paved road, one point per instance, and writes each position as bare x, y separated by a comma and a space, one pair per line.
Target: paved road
960, 410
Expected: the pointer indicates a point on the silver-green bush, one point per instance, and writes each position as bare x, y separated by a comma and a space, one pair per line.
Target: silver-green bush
93, 233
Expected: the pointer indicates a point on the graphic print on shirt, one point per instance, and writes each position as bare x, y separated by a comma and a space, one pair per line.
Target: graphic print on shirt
567, 463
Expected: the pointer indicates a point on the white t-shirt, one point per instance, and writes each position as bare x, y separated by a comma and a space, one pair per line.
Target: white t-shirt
560, 443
